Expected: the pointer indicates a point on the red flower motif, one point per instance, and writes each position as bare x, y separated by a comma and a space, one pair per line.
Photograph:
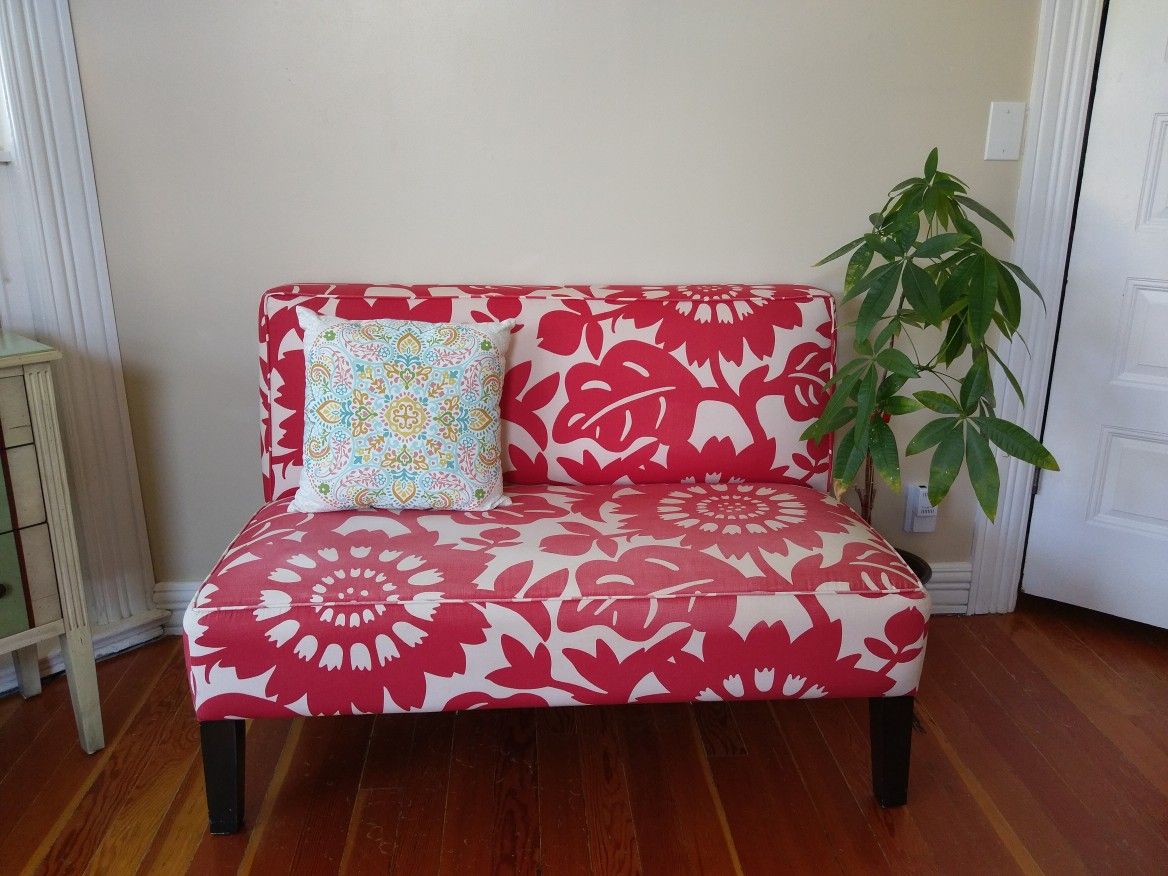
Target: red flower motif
729, 517
769, 664
347, 621
715, 321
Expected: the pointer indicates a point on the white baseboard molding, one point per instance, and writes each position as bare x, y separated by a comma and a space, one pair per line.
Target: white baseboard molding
174, 597
949, 587
107, 639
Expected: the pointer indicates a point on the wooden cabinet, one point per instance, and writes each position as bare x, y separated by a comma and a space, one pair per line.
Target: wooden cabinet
41, 593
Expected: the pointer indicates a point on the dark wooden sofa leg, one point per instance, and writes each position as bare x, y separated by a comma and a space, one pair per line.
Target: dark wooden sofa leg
890, 721
223, 756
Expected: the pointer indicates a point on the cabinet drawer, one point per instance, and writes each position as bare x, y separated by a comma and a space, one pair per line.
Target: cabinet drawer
6, 522
13, 614
27, 497
15, 420
40, 575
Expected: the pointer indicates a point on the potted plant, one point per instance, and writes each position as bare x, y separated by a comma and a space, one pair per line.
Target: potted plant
923, 266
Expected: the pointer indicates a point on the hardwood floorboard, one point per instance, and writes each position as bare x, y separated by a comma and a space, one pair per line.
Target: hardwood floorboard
612, 838
87, 820
516, 834
472, 798
768, 808
266, 744
844, 726
306, 829
563, 826
1030, 794
720, 734
51, 767
1043, 748
851, 838
689, 779
22, 721
423, 821
371, 845
1132, 812
652, 803
181, 829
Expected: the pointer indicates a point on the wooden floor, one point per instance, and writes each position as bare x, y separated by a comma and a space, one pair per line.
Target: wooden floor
1043, 747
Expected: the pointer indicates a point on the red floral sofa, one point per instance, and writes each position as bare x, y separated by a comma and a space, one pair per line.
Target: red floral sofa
668, 537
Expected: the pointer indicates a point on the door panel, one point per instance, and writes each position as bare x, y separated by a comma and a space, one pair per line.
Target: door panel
1099, 533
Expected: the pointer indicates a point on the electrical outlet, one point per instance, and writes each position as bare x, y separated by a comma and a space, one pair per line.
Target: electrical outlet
919, 514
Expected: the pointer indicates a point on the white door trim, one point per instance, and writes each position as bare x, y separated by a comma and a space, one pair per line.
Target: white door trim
64, 299
1064, 64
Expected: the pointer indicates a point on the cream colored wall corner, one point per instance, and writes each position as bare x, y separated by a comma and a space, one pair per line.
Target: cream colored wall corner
239, 145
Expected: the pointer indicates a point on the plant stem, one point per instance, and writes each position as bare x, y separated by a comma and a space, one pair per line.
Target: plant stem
867, 492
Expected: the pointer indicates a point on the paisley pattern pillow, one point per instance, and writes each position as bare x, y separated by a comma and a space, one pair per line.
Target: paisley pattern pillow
401, 414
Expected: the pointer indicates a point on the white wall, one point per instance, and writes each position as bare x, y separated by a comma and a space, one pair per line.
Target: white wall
240, 145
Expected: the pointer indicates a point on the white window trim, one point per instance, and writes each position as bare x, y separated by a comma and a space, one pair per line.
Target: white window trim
1068, 40
61, 295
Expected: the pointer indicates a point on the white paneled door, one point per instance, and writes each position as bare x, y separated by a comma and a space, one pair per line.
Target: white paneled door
1099, 533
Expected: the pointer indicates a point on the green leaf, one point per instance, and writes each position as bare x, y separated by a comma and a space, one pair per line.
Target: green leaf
921, 293
939, 244
847, 247
849, 456
884, 246
985, 213
946, 464
897, 362
931, 433
937, 401
973, 385
840, 396
890, 386
1017, 442
983, 297
908, 226
885, 456
865, 399
866, 282
822, 427
877, 300
1025, 279
849, 367
1017, 387
857, 265
904, 184
955, 341
966, 227
887, 332
931, 164
900, 404
840, 455
983, 472
1009, 300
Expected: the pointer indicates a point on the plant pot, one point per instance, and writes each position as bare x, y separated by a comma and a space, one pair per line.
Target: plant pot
919, 565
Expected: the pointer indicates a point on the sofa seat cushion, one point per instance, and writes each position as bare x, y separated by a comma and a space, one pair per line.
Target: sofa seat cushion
569, 595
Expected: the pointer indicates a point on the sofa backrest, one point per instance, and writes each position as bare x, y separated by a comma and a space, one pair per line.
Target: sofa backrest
608, 384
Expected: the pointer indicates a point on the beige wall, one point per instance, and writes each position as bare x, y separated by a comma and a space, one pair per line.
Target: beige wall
238, 145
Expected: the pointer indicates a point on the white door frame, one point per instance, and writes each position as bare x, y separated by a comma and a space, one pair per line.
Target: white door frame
1064, 66
64, 299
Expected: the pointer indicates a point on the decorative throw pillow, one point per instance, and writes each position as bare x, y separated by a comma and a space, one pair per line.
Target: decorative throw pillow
401, 414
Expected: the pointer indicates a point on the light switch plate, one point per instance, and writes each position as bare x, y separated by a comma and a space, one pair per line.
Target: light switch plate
1004, 131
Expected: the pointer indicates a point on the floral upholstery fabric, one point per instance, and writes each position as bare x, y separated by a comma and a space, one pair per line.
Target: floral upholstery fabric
648, 384
568, 595
401, 414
